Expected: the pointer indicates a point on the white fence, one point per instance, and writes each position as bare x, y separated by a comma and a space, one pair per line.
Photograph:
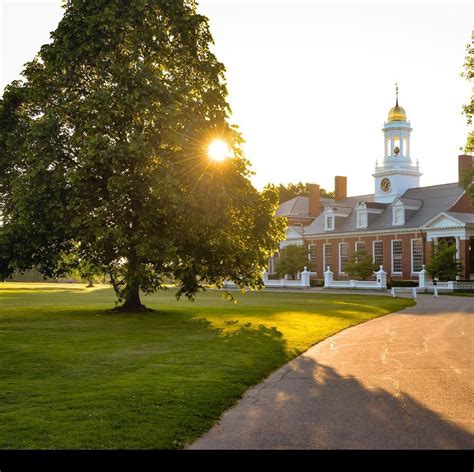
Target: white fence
380, 282
303, 282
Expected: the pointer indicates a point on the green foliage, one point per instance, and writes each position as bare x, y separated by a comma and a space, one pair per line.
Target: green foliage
289, 191
361, 266
293, 260
468, 110
443, 264
103, 156
76, 376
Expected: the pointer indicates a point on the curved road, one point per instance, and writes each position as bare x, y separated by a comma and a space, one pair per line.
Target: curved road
401, 381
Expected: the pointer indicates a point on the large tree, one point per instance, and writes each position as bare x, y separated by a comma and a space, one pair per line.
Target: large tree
468, 111
103, 156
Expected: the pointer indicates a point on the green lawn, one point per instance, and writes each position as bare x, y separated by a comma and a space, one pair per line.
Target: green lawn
74, 375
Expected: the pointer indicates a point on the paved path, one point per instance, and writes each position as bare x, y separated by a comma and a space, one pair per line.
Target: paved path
404, 380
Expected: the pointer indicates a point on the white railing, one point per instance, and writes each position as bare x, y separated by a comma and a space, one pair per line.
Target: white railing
380, 282
302, 282
450, 286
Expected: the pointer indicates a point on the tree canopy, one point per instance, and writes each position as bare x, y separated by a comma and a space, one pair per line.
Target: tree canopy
293, 260
361, 265
468, 111
289, 191
103, 156
443, 264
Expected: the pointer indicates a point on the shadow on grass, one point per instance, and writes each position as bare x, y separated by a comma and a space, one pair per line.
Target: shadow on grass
312, 406
136, 382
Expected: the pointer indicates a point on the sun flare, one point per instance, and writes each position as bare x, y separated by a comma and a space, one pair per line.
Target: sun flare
218, 150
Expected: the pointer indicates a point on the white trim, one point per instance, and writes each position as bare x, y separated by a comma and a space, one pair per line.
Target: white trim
457, 223
412, 229
391, 257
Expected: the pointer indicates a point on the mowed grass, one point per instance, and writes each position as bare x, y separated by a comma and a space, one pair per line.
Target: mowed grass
74, 375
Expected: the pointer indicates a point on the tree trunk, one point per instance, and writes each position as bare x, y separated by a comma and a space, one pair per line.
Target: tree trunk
90, 284
132, 299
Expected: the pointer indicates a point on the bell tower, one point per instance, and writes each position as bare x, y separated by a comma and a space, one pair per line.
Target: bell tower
397, 172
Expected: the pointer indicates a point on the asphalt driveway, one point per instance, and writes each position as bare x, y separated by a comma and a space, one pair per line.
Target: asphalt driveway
405, 380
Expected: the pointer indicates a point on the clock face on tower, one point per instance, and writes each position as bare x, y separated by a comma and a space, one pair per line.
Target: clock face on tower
385, 184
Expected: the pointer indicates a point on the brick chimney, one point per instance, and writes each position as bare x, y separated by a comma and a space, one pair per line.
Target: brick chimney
465, 164
314, 205
340, 187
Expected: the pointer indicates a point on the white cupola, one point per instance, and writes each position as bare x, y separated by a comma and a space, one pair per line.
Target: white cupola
397, 173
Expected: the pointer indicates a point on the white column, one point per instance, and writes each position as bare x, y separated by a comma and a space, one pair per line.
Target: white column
328, 277
265, 278
381, 278
305, 278
422, 277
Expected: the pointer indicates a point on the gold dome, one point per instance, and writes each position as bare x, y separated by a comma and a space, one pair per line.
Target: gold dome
397, 113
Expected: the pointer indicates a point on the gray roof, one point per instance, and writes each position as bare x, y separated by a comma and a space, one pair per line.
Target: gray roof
464, 217
299, 207
433, 199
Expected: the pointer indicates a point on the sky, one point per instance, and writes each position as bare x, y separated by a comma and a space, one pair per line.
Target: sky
311, 82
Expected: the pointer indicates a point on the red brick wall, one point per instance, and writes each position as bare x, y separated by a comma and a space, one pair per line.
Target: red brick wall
463, 205
387, 252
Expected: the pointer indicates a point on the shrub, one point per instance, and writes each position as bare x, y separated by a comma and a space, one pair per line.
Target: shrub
293, 260
361, 265
402, 283
443, 263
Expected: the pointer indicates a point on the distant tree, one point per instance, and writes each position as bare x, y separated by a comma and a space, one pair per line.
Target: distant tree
361, 265
443, 264
468, 111
289, 191
103, 154
293, 260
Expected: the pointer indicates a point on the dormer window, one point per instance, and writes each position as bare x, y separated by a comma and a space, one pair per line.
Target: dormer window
361, 215
398, 215
361, 219
329, 219
329, 222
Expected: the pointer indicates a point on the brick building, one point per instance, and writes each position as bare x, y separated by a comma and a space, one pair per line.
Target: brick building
396, 224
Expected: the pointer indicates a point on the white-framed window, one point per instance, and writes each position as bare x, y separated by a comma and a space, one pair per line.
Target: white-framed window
327, 255
398, 216
361, 218
397, 253
343, 257
312, 255
377, 251
416, 255
329, 222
